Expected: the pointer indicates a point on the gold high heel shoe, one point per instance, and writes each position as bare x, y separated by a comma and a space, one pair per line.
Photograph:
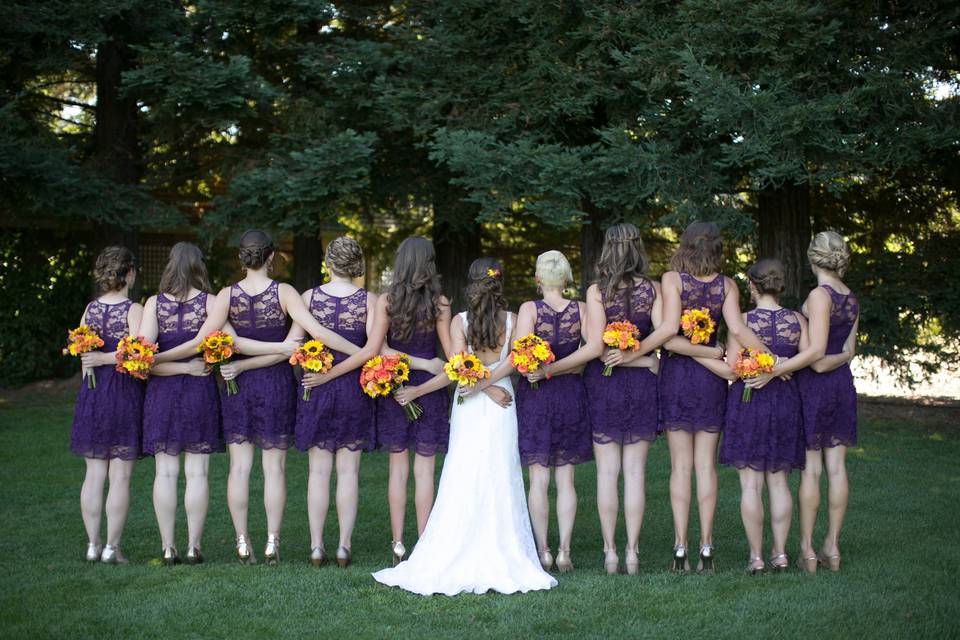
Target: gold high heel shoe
111, 555
830, 562
807, 563
244, 552
611, 562
564, 563
755, 566
271, 552
398, 551
194, 556
631, 561
170, 556
778, 566
546, 560
93, 552
343, 557
318, 557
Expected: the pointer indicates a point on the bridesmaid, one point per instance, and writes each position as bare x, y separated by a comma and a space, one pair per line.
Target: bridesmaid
828, 395
106, 420
554, 427
693, 381
763, 438
336, 423
182, 407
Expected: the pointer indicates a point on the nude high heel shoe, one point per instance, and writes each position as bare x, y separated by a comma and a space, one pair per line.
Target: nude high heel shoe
564, 563
318, 557
244, 552
343, 557
546, 560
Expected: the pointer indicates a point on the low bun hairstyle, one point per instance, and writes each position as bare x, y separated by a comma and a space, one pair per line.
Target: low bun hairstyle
256, 247
828, 250
553, 269
185, 270
622, 260
344, 257
700, 251
485, 301
111, 269
768, 276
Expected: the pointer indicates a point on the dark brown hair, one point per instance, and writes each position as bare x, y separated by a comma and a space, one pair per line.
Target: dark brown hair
622, 260
413, 297
111, 269
185, 270
768, 276
344, 257
485, 301
700, 252
256, 247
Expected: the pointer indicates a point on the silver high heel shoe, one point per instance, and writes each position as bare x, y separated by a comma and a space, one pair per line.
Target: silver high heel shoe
271, 552
398, 551
93, 552
244, 552
706, 558
111, 555
194, 556
170, 556
318, 557
679, 560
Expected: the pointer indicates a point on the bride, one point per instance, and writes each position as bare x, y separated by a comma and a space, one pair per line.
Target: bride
478, 537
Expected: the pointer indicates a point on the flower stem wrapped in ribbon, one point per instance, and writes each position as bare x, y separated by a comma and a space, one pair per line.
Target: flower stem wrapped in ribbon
383, 375
697, 325
466, 370
82, 340
621, 335
312, 356
530, 353
751, 363
135, 356
218, 348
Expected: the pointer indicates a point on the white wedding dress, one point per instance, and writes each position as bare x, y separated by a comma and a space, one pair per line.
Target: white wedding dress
478, 537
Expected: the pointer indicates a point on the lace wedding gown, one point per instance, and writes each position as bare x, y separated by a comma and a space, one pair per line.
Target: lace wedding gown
478, 537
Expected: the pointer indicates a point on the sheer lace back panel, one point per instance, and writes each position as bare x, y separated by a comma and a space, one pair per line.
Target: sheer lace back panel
504, 348
109, 321
844, 310
636, 308
258, 317
704, 295
778, 329
560, 328
179, 321
346, 316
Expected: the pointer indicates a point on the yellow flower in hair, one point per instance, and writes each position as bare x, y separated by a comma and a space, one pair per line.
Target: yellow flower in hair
493, 273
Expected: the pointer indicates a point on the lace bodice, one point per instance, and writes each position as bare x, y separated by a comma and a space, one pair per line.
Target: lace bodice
636, 308
779, 330
259, 317
345, 315
844, 310
109, 321
179, 321
560, 329
504, 349
695, 294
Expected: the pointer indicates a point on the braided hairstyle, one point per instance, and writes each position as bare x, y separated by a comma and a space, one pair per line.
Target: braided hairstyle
700, 251
768, 276
344, 257
485, 301
111, 268
828, 250
256, 247
622, 261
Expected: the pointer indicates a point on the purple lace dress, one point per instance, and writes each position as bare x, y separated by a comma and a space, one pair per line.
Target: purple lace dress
830, 399
181, 413
766, 434
691, 397
623, 407
106, 420
338, 414
428, 434
553, 423
264, 409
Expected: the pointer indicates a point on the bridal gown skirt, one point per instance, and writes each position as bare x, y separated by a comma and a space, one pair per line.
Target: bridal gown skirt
478, 537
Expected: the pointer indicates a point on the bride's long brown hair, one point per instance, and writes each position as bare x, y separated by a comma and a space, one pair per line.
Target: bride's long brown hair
413, 297
485, 301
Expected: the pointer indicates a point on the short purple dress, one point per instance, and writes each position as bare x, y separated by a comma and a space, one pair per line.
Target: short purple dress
106, 420
692, 398
181, 414
623, 406
553, 426
830, 399
766, 434
338, 414
428, 434
264, 409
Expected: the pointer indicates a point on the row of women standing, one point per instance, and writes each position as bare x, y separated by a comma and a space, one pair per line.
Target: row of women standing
573, 416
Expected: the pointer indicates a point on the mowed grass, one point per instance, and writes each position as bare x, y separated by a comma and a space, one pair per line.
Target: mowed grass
900, 577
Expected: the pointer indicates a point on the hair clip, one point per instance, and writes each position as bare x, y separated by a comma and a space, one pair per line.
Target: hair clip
493, 273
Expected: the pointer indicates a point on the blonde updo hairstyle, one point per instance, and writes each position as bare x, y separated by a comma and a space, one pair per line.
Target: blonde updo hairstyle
112, 267
829, 251
768, 277
344, 257
553, 270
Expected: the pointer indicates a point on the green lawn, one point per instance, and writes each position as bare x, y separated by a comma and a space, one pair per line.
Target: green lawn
900, 576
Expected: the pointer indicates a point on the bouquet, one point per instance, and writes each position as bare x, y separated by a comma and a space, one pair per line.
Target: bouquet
383, 375
697, 325
217, 348
134, 356
623, 336
312, 357
529, 354
83, 339
466, 370
750, 364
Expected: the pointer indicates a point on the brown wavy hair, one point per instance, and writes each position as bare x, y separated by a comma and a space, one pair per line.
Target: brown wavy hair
111, 268
344, 257
768, 276
485, 301
185, 270
700, 252
413, 297
622, 261
256, 247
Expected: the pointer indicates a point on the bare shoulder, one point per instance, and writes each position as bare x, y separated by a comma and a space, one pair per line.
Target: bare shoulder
528, 308
285, 289
593, 293
730, 286
670, 279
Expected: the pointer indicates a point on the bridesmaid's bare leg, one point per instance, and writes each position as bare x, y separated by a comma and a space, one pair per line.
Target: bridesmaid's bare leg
91, 497
539, 504
634, 490
751, 510
348, 475
705, 464
118, 499
423, 467
196, 497
165, 496
318, 493
566, 504
781, 511
608, 458
838, 491
809, 498
274, 488
238, 485
681, 466
397, 492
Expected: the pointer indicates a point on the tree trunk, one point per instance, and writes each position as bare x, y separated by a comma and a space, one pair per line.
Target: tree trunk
456, 239
591, 243
307, 259
784, 225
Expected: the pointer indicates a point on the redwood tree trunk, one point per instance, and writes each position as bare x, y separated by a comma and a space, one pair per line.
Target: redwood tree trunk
307, 259
456, 239
591, 243
784, 226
